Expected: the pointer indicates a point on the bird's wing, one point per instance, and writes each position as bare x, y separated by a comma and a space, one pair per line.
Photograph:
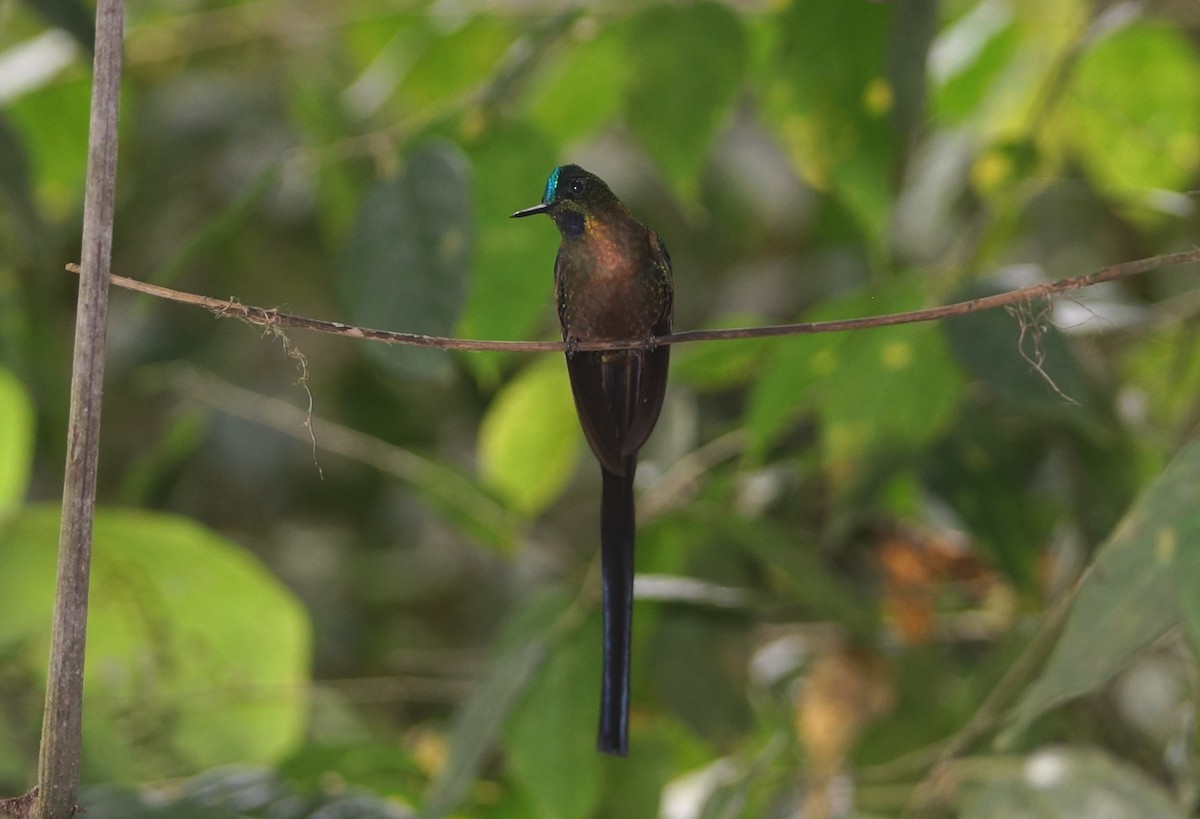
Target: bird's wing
653, 365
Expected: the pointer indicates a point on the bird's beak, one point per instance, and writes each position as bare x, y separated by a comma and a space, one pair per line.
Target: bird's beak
530, 211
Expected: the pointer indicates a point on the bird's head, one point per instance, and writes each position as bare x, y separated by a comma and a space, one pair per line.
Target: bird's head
573, 196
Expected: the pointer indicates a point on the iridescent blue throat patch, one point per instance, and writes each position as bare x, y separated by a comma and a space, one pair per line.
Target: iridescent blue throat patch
551, 187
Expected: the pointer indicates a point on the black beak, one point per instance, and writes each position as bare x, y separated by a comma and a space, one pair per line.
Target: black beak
530, 211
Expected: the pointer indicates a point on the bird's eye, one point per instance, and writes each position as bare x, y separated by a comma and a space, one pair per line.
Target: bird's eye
577, 186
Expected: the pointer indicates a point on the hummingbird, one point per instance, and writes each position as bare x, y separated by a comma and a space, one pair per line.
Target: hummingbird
612, 281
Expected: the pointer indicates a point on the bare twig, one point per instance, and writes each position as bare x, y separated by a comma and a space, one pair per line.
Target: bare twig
19, 807
58, 764
275, 318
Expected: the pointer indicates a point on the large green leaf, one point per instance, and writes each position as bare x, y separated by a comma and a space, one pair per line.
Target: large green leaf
529, 438
552, 733
1144, 581
830, 99
687, 64
380, 766
57, 155
404, 264
16, 442
196, 655
1132, 112
892, 387
991, 67
456, 62
966, 59
1165, 367
581, 88
785, 386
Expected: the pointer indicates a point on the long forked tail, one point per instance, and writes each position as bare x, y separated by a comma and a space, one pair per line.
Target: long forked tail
616, 567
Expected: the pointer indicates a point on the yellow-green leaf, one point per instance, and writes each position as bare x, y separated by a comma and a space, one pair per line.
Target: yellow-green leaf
529, 439
196, 655
1132, 113
16, 441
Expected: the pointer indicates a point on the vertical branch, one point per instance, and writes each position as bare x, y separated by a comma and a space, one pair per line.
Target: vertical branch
58, 765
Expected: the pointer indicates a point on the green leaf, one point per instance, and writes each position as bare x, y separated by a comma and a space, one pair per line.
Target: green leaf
404, 264
829, 97
1144, 580
687, 64
1165, 367
581, 89
396, 36
895, 387
992, 68
512, 281
385, 768
196, 655
552, 733
529, 438
967, 58
1132, 112
891, 387
16, 442
58, 155
456, 62
785, 386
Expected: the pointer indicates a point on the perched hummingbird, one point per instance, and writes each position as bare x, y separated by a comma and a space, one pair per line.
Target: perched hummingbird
612, 281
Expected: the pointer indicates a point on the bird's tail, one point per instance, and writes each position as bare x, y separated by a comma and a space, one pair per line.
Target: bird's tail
616, 567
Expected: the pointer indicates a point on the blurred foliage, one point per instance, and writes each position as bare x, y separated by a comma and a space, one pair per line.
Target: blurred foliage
948, 568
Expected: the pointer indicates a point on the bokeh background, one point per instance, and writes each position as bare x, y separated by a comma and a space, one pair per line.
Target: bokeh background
946, 567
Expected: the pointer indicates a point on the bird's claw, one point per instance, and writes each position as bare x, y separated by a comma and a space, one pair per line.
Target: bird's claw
572, 346
650, 341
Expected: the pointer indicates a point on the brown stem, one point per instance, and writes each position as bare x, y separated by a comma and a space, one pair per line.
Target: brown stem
275, 318
58, 764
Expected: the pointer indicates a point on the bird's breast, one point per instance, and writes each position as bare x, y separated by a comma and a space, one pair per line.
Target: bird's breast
609, 287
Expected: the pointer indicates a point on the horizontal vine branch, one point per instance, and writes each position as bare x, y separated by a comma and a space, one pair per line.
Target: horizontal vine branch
275, 318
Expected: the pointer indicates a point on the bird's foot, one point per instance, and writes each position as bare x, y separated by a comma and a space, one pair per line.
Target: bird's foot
572, 346
650, 341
